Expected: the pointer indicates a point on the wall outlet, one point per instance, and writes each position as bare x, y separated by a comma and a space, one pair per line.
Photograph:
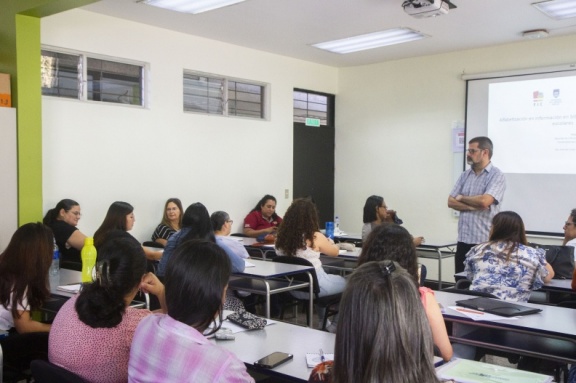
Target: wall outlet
286, 193
455, 213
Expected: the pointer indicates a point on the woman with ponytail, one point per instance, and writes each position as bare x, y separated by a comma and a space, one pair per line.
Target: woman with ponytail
92, 333
63, 220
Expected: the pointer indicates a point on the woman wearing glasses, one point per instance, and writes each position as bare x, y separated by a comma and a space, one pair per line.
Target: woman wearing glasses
63, 219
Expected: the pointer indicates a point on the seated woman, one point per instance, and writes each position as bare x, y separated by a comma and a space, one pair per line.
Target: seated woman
375, 213
505, 266
120, 216
299, 236
23, 288
393, 242
92, 333
172, 347
383, 335
222, 226
171, 221
262, 220
195, 225
63, 220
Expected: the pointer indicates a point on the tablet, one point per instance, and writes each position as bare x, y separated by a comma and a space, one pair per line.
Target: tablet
497, 307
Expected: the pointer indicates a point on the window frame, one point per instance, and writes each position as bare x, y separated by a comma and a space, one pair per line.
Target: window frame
330, 107
83, 75
224, 97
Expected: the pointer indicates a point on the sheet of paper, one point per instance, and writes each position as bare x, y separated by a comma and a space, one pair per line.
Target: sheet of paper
247, 263
469, 371
479, 315
312, 359
72, 289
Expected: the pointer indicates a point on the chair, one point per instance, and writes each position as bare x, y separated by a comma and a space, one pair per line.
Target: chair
46, 372
329, 302
463, 284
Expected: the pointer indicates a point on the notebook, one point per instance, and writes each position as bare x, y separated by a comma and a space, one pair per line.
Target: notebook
497, 307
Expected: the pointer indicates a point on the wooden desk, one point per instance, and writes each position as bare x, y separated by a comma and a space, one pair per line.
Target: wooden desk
249, 346
269, 278
550, 334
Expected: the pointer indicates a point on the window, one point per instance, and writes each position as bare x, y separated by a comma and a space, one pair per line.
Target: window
60, 74
313, 105
206, 94
64, 74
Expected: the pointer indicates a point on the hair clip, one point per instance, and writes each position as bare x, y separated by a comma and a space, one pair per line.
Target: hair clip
103, 273
387, 269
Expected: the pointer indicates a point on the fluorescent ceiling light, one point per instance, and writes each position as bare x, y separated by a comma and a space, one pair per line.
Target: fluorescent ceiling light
190, 6
371, 40
557, 9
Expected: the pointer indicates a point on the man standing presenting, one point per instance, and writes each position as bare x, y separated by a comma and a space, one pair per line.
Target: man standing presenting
477, 196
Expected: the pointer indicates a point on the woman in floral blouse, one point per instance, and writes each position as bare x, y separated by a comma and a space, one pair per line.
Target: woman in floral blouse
505, 266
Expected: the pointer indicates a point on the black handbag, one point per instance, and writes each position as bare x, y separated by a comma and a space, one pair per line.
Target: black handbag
247, 320
561, 258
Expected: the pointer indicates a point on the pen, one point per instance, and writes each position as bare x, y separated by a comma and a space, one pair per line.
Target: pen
322, 358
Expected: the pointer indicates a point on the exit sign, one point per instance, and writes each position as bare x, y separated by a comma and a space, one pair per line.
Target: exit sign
313, 122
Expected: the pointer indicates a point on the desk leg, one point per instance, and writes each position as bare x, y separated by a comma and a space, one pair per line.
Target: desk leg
310, 319
267, 299
439, 269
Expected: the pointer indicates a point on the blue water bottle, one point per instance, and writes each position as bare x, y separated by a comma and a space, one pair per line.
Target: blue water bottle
330, 230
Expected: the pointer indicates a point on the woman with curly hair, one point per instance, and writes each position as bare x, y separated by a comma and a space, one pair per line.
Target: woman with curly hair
299, 236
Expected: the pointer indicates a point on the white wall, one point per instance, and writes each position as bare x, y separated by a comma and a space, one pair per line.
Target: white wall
8, 176
393, 135
97, 153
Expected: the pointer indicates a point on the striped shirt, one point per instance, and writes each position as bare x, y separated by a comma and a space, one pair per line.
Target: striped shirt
474, 226
166, 350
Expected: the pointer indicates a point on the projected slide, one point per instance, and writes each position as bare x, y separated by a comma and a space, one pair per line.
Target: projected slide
534, 124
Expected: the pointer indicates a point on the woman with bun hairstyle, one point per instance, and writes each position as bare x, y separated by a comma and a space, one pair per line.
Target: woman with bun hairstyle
63, 220
92, 333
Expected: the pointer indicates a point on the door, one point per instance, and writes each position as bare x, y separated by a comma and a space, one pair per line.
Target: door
313, 156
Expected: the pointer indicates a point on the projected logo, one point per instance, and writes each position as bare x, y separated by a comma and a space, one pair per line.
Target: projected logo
556, 100
537, 98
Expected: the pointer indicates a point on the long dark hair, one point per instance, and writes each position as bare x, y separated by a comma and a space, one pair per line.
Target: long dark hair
262, 202
115, 220
383, 334
24, 267
165, 220
52, 214
372, 203
392, 242
196, 276
197, 220
120, 265
299, 224
507, 226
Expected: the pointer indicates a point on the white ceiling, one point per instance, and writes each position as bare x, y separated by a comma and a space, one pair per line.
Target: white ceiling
288, 27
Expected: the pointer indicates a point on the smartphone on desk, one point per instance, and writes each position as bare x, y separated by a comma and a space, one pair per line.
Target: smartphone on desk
273, 360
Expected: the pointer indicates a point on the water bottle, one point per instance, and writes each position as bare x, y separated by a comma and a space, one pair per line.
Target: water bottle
55, 267
88, 255
337, 225
330, 230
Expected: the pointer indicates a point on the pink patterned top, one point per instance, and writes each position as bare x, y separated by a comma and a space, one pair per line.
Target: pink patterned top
95, 354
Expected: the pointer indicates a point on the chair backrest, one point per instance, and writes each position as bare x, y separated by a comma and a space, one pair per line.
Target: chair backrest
463, 284
301, 262
470, 292
46, 372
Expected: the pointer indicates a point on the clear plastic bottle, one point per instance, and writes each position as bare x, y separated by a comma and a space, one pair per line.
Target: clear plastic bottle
336, 225
55, 266
88, 255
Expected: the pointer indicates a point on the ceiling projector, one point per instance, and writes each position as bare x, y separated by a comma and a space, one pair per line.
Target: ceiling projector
426, 8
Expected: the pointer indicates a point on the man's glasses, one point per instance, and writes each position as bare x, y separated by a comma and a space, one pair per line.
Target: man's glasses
472, 151
569, 223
